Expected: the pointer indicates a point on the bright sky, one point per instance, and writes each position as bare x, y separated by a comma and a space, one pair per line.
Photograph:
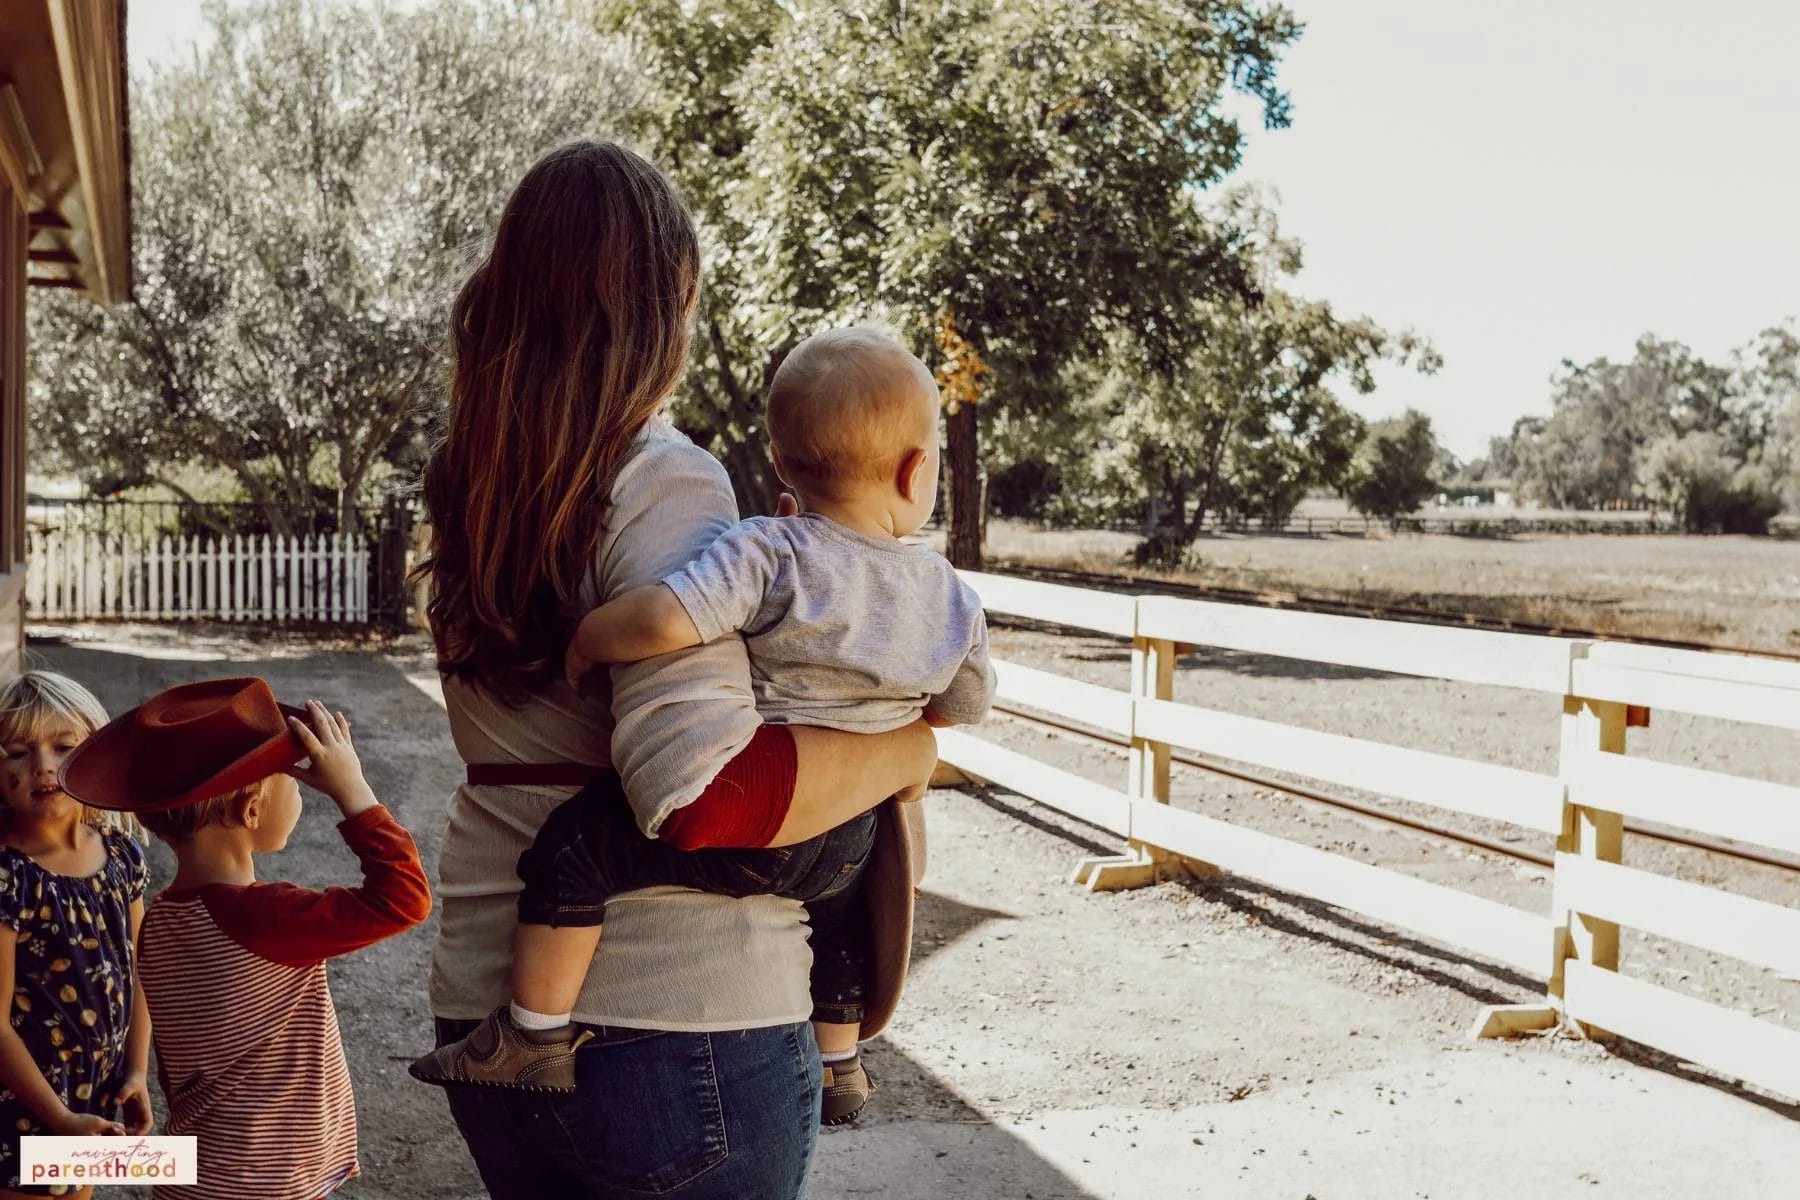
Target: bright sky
1531, 180
1521, 180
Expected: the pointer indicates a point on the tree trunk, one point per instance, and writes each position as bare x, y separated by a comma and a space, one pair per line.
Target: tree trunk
962, 463
1209, 486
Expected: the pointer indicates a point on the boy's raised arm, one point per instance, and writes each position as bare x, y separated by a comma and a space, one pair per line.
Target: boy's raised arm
289, 924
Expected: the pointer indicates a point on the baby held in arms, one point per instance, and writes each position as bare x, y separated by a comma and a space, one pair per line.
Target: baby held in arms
847, 626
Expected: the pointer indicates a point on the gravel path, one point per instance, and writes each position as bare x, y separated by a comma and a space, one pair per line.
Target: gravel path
1200, 1039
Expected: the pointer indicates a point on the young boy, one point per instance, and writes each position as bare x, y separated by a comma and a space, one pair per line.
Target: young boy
246, 1036
846, 625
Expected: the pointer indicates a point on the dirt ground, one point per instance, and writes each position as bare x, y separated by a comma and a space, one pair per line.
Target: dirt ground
1737, 591
1195, 1039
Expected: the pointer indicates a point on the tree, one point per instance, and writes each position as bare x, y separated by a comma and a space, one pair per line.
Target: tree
1587, 454
1710, 443
306, 189
1766, 378
1012, 186
1698, 480
1392, 475
1251, 423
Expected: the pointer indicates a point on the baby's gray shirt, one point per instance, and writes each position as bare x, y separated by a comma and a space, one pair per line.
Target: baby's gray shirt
844, 630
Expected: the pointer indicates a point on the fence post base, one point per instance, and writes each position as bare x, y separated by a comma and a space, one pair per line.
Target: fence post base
1139, 866
946, 776
1511, 1020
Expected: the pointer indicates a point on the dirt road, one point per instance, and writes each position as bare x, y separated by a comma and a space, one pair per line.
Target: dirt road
1196, 1040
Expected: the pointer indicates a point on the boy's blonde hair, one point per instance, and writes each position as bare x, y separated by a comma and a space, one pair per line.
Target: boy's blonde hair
36, 699
844, 407
177, 825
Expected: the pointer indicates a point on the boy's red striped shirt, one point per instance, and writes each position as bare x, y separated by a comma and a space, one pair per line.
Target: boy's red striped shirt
247, 1042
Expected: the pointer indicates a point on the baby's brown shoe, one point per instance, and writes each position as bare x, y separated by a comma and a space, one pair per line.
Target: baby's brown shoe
847, 1089
497, 1053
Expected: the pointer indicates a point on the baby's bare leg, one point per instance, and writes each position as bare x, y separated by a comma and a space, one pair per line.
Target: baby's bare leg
835, 1039
550, 963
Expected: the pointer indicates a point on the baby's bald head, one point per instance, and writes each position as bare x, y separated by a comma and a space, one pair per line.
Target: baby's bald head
845, 409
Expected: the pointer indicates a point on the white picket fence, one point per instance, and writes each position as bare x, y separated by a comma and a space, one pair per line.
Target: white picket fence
94, 574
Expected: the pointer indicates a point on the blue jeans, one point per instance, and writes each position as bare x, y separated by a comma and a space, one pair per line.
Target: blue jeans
688, 1116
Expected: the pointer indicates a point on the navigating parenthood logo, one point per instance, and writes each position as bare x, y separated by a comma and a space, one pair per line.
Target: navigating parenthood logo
101, 1160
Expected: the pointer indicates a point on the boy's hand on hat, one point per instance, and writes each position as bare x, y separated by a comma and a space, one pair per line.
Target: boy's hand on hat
332, 766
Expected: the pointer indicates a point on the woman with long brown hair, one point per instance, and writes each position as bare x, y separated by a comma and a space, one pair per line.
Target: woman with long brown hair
558, 484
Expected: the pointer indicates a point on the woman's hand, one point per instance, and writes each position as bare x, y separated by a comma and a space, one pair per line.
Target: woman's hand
332, 765
134, 1104
841, 775
74, 1124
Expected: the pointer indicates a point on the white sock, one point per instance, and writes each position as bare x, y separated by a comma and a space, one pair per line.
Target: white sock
837, 1056
524, 1018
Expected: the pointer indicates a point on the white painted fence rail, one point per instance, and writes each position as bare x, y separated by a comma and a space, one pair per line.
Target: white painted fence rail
79, 574
1574, 947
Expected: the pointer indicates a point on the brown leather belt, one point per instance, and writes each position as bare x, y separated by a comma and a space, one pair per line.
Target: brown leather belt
534, 774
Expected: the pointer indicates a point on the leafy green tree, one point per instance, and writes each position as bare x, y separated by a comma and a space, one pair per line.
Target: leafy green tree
1012, 186
1251, 423
306, 190
1587, 454
1698, 479
1392, 474
1766, 377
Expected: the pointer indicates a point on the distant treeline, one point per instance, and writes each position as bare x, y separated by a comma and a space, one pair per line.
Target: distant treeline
1715, 446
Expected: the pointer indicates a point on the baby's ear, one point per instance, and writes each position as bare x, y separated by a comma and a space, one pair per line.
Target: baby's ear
912, 468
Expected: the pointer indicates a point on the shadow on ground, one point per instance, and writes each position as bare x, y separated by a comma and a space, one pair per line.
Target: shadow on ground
408, 1146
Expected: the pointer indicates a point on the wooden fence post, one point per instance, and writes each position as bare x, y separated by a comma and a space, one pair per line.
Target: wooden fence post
1588, 726
1147, 764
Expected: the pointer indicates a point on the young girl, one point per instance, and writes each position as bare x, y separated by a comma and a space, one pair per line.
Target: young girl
74, 1058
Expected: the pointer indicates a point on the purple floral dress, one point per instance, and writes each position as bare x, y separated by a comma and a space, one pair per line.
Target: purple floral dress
72, 981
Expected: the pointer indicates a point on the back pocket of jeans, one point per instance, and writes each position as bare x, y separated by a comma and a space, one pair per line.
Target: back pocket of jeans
645, 1117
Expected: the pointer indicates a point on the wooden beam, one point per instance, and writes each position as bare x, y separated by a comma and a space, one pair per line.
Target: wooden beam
38, 281
1061, 696
1519, 939
1755, 931
1515, 660
55, 254
1758, 703
89, 37
1079, 798
43, 218
1734, 1044
1730, 806
1478, 789
1057, 604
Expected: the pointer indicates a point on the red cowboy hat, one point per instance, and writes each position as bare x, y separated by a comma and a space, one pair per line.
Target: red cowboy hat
184, 745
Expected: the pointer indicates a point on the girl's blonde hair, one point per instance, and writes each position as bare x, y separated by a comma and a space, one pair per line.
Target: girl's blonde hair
36, 699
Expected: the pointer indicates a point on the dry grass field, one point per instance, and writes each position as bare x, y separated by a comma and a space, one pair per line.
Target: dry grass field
1735, 591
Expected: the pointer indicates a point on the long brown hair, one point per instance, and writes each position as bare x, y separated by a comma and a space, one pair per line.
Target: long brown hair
565, 340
